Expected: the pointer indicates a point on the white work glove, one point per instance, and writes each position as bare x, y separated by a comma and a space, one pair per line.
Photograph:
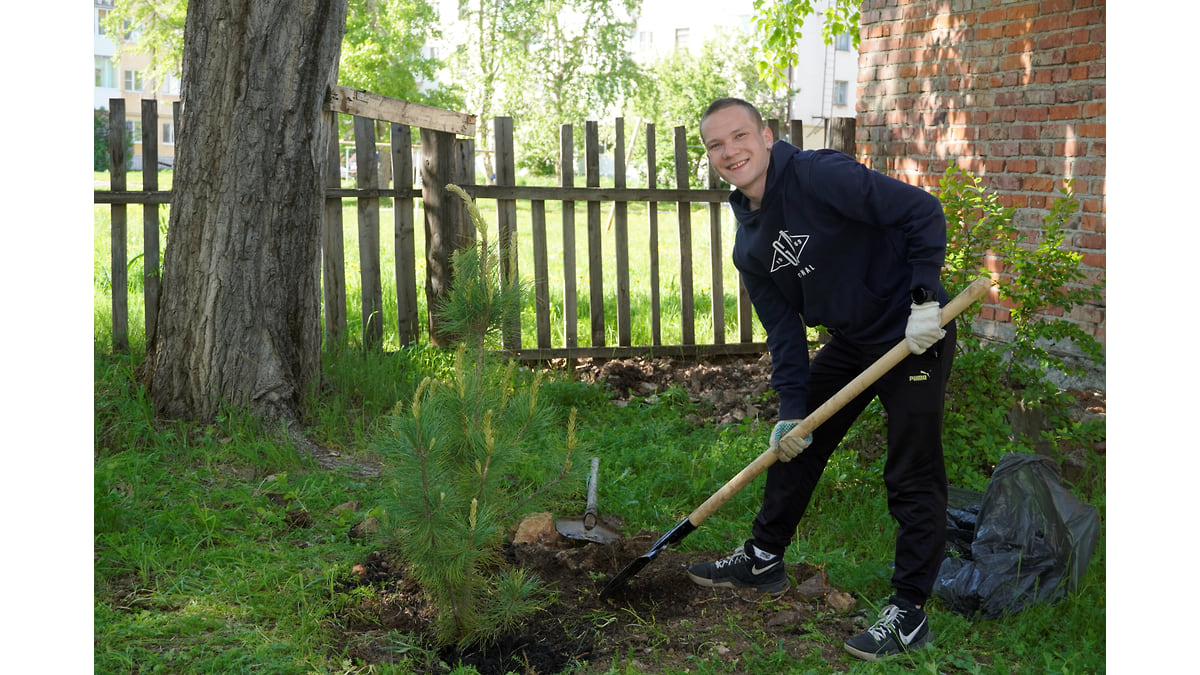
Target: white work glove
924, 327
787, 448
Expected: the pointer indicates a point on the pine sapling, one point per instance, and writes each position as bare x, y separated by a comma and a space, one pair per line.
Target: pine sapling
471, 455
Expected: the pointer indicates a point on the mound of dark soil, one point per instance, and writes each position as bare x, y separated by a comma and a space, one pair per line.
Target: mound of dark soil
659, 619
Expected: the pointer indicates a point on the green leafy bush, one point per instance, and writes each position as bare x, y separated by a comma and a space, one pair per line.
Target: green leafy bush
1042, 279
1041, 282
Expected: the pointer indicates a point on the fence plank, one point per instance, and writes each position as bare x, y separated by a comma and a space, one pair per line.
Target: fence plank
404, 239
120, 279
570, 299
437, 148
652, 209
595, 234
797, 133
717, 262
333, 255
621, 239
150, 244
841, 134
506, 219
368, 233
370, 105
687, 314
541, 272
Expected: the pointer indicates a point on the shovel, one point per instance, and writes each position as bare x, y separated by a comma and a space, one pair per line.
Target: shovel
848, 393
588, 528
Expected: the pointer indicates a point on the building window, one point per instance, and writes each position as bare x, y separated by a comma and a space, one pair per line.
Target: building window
842, 42
106, 75
133, 80
170, 85
168, 133
841, 92
101, 15
134, 129
681, 39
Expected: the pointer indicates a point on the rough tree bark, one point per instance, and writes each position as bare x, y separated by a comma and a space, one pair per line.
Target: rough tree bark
239, 315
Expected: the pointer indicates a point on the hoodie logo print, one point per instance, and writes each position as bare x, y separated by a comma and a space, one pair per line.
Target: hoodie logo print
787, 250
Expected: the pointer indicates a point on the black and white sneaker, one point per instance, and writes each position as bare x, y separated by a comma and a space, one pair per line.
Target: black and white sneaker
745, 568
901, 627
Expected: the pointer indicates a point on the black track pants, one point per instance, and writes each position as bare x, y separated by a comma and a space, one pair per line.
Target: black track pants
913, 394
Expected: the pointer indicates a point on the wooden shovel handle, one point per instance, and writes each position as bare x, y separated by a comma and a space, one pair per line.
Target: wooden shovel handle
846, 394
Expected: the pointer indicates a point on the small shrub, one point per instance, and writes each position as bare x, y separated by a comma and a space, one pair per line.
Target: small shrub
1042, 282
1042, 278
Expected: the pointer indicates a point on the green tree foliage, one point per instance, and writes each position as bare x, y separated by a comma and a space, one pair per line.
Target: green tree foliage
545, 63
780, 22
381, 50
151, 27
577, 67
675, 89
100, 141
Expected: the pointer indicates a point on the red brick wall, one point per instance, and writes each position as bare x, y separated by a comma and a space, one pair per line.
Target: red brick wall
1012, 90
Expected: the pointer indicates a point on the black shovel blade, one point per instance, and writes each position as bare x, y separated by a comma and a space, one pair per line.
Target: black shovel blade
676, 535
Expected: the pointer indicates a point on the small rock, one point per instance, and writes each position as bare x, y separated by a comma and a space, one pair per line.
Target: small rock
364, 528
783, 619
537, 528
814, 587
841, 601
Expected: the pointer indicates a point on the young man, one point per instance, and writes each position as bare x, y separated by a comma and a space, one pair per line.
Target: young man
824, 241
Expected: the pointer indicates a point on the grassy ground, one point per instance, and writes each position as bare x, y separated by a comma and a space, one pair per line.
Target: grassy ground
218, 549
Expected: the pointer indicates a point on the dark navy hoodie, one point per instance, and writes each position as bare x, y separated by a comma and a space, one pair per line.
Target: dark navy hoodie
838, 245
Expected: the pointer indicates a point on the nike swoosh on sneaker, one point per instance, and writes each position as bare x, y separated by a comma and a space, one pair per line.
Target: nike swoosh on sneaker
907, 637
756, 570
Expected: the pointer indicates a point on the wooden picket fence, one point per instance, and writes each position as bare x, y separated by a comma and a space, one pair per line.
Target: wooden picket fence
446, 152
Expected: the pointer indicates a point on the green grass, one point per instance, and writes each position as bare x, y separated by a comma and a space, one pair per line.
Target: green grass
199, 568
640, 289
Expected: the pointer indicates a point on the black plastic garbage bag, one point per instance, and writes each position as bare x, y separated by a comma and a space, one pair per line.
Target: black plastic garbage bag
1033, 541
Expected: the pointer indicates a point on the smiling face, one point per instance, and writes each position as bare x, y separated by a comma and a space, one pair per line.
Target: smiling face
739, 148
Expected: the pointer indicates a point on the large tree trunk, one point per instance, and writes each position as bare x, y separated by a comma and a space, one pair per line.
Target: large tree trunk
239, 316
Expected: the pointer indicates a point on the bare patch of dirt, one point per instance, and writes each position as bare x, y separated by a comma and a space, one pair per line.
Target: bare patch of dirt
659, 620
728, 389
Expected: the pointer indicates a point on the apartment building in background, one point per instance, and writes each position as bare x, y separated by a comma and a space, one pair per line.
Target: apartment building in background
120, 74
825, 77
